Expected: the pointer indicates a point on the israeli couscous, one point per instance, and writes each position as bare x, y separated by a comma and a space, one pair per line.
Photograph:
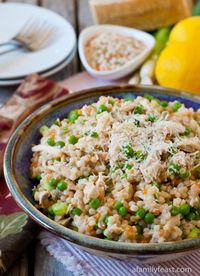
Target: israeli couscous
122, 170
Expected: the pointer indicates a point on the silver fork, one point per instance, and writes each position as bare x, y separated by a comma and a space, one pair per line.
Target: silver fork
33, 36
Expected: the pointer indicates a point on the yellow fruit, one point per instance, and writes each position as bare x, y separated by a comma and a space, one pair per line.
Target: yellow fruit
186, 30
179, 63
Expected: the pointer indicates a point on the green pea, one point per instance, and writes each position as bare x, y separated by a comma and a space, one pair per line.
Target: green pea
59, 208
73, 116
187, 131
62, 185
191, 216
72, 139
60, 144
43, 129
139, 229
174, 211
94, 203
163, 103
148, 97
152, 118
50, 142
76, 212
184, 175
197, 172
117, 205
174, 168
127, 166
138, 109
149, 218
122, 211
176, 105
106, 238
106, 220
194, 233
50, 211
101, 108
140, 213
111, 101
52, 182
184, 209
127, 151
94, 134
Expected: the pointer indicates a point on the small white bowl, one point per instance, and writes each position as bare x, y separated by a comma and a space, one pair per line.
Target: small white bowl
127, 68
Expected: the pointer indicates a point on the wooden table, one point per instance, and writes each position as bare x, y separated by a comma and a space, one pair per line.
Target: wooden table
36, 260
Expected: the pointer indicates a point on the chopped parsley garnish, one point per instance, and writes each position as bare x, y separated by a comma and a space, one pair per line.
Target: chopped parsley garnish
128, 151
174, 169
138, 109
152, 118
187, 131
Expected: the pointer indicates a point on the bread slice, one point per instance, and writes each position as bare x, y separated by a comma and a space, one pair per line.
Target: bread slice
140, 14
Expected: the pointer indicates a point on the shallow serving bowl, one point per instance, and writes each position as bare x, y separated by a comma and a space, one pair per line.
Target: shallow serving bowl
127, 68
17, 162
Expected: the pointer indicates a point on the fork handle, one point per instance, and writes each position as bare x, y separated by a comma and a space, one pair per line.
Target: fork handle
11, 42
10, 50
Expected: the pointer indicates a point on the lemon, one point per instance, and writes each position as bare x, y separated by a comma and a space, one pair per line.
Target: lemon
179, 63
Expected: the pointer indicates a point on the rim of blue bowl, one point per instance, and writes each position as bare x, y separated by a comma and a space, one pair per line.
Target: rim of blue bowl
68, 234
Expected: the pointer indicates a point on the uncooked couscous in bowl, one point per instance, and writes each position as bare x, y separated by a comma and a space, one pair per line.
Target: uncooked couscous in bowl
111, 52
122, 169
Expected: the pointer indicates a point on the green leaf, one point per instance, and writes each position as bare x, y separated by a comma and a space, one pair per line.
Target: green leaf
12, 224
196, 9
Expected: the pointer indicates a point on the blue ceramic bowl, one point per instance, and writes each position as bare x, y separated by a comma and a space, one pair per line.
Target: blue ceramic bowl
17, 162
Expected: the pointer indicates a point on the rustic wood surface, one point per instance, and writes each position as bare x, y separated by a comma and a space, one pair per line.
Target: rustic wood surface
36, 260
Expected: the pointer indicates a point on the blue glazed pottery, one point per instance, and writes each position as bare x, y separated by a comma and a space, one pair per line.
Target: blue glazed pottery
17, 162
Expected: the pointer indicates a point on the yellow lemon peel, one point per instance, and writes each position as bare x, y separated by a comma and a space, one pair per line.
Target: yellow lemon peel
179, 63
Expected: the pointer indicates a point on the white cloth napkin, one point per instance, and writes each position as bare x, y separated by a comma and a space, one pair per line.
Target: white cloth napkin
81, 263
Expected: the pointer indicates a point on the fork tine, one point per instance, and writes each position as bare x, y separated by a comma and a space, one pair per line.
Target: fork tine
31, 27
48, 36
43, 38
26, 28
35, 35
